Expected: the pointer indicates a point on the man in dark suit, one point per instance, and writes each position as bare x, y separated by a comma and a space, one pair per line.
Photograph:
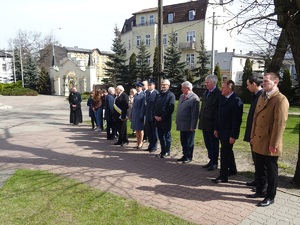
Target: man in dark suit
208, 119
120, 115
108, 115
151, 96
254, 86
163, 111
230, 114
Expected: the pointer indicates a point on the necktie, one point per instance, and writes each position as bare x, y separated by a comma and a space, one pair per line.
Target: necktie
266, 96
184, 98
207, 94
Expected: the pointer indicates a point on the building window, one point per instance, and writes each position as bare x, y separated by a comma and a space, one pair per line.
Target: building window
4, 67
151, 19
170, 17
192, 14
138, 40
148, 60
190, 36
176, 38
142, 21
148, 39
164, 39
125, 26
190, 60
129, 45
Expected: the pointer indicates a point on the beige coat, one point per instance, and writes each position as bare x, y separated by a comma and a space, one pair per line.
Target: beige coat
269, 123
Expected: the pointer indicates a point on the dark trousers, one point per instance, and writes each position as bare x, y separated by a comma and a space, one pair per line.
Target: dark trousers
93, 121
165, 140
145, 137
187, 143
267, 174
111, 132
254, 161
227, 159
212, 145
152, 134
122, 130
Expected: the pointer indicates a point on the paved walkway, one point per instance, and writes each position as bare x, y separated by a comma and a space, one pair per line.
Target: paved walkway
35, 134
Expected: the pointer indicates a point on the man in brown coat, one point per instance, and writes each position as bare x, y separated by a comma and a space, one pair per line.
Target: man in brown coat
269, 122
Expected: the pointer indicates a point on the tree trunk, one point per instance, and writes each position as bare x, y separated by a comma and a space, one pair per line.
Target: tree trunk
293, 34
278, 57
296, 178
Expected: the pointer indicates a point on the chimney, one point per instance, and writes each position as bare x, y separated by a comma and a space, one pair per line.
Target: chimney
225, 49
241, 52
234, 50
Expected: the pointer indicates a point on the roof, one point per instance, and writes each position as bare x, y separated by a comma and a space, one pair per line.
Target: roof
180, 12
4, 54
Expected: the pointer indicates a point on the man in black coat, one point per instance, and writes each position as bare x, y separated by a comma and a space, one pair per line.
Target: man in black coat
208, 119
120, 115
109, 112
254, 86
151, 96
230, 114
163, 111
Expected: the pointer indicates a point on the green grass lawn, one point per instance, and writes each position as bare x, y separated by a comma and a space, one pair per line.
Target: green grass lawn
39, 197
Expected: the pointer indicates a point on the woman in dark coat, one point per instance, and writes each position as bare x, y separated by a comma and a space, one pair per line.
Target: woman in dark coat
75, 107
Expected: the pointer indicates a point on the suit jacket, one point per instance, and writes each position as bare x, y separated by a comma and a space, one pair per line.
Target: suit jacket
150, 104
109, 107
122, 102
164, 107
230, 114
187, 112
208, 116
250, 115
269, 123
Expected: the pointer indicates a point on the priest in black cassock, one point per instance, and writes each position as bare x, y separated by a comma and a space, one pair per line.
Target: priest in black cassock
75, 106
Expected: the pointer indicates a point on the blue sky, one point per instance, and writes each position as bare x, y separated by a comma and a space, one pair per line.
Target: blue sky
86, 24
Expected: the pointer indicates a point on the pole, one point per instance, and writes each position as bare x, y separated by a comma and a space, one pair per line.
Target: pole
160, 44
21, 62
213, 45
14, 63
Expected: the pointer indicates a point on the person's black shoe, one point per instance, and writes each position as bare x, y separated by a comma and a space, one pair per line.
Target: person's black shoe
152, 150
213, 167
186, 161
256, 195
181, 159
220, 180
118, 143
231, 173
206, 166
160, 155
265, 202
251, 184
125, 143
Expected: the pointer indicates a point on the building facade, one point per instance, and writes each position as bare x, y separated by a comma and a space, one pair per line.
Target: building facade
73, 66
190, 21
6, 67
232, 64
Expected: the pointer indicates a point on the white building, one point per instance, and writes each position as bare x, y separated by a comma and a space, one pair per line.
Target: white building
232, 64
6, 67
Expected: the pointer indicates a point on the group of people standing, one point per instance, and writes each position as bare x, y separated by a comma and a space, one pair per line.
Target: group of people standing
219, 117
